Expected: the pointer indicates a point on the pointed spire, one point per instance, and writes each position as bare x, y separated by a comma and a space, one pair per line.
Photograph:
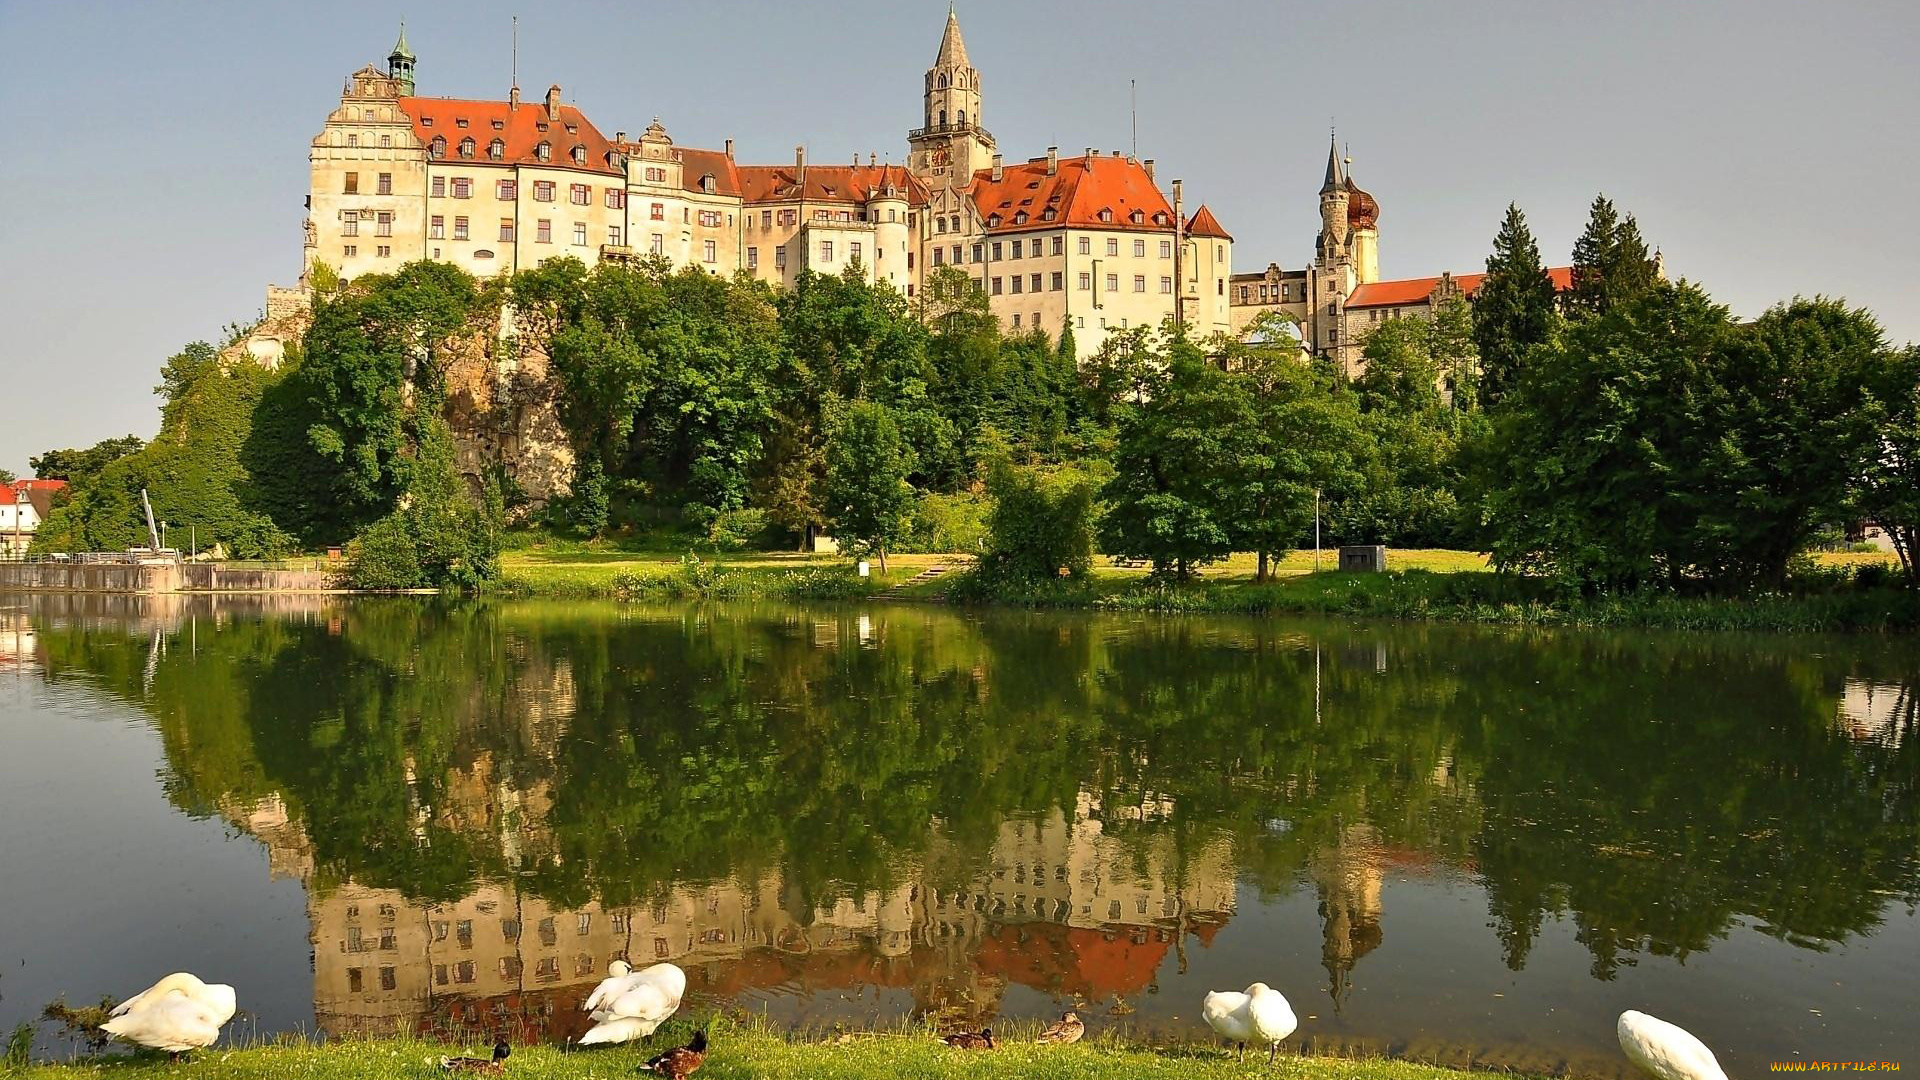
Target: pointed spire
400, 49
1336, 171
953, 51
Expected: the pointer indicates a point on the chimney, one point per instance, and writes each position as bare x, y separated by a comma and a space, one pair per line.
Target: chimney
1053, 160
997, 172
553, 102
1148, 165
729, 147
1089, 155
799, 165
619, 136
872, 159
513, 96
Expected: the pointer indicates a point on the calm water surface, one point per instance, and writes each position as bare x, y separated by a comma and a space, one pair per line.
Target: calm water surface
1452, 843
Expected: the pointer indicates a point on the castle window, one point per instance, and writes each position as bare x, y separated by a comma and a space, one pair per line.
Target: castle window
543, 231
979, 252
940, 225
1139, 283
543, 150
350, 251
463, 187
506, 230
1086, 245
1137, 218
1139, 249
994, 287
1020, 218
938, 256
826, 251
384, 184
993, 222
579, 155
459, 228
753, 258
997, 250
504, 190
962, 115
1166, 249
436, 228
943, 112
353, 140
350, 224
710, 219
1106, 215
1016, 286
710, 251
616, 198
1047, 214
496, 150
1166, 284
613, 235
461, 122
1059, 281
352, 182
426, 121
386, 141
1033, 283
853, 251
1159, 218
466, 147
543, 190
580, 194
497, 124
1059, 245
1016, 315
438, 147
383, 223
1244, 289
1113, 246
657, 245
956, 254
1113, 282
780, 258
706, 182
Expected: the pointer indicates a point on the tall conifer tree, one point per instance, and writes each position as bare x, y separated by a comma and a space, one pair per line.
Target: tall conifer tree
1610, 262
1513, 309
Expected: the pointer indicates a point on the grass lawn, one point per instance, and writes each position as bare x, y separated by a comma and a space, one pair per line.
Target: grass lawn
753, 1051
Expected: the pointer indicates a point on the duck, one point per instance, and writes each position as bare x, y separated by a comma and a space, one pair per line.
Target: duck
177, 1014
681, 1061
1258, 1015
1067, 1031
630, 1004
969, 1040
494, 1064
1665, 1051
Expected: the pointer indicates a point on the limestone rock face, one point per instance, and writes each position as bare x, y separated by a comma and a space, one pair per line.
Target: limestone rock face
500, 403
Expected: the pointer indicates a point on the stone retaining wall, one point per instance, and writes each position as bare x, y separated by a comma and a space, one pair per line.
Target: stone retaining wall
158, 578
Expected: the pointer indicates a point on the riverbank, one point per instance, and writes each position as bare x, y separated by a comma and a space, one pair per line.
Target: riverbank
762, 1054
1836, 596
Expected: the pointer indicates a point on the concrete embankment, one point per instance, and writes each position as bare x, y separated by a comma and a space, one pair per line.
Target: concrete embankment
158, 577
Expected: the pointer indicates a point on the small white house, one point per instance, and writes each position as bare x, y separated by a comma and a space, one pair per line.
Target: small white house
24, 504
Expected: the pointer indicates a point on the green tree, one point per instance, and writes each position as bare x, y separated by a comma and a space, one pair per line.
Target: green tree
79, 467
1182, 447
1308, 437
1887, 471
867, 495
1611, 266
1513, 310
440, 536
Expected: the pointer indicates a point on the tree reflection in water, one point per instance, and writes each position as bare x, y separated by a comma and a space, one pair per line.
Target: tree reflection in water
489, 802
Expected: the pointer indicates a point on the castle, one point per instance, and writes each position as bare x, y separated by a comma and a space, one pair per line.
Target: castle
1088, 242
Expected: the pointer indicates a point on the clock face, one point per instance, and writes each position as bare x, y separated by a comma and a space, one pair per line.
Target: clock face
941, 157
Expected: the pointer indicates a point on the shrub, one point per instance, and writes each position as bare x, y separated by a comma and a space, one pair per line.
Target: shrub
1042, 522
948, 523
737, 530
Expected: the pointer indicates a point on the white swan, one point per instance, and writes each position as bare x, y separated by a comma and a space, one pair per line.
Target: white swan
176, 1014
629, 1004
1665, 1051
1261, 1015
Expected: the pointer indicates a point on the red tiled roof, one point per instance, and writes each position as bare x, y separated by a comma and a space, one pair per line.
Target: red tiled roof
520, 129
38, 492
697, 163
1416, 290
1077, 192
1203, 223
828, 183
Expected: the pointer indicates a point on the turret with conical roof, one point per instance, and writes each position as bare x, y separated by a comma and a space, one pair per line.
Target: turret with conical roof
1334, 226
950, 143
400, 63
1336, 171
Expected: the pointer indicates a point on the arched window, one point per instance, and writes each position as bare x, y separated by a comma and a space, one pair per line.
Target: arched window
943, 118
497, 149
962, 114
942, 83
544, 151
438, 147
466, 147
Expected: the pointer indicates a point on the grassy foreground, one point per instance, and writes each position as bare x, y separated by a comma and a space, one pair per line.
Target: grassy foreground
1452, 586
753, 1051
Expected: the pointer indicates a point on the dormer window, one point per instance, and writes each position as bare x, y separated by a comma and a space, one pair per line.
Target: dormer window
499, 125
993, 222
466, 147
543, 151
540, 125
1020, 218
496, 150
1159, 219
1047, 214
460, 122
1137, 217
579, 155
438, 147
573, 129
1106, 215
706, 182
426, 121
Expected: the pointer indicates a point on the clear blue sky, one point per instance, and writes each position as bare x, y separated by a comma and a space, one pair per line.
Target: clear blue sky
153, 174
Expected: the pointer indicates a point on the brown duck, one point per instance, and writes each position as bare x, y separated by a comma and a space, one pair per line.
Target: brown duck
1068, 1030
680, 1062
497, 1063
969, 1040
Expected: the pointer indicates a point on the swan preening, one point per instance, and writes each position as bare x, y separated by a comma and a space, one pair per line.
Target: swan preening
1665, 1051
177, 1014
629, 1004
1260, 1015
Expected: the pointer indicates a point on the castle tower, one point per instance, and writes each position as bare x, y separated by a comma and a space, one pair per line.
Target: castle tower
1363, 218
1333, 207
400, 63
1333, 274
950, 143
